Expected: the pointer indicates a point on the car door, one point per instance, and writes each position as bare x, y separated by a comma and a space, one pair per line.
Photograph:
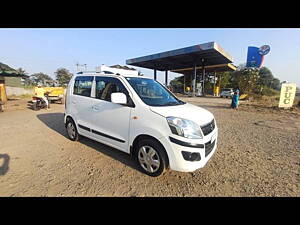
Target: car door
110, 122
81, 102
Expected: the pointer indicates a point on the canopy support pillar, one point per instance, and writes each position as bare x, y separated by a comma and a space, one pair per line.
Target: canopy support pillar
183, 83
194, 83
215, 83
203, 77
166, 78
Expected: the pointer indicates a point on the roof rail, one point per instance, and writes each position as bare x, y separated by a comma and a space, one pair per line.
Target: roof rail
82, 72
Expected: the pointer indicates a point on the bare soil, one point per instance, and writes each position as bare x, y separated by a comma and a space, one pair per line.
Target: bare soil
258, 155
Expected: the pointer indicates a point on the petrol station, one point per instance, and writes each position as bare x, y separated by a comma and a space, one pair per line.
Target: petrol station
195, 63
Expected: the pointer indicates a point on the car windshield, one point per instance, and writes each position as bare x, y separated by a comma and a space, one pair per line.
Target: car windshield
152, 92
227, 89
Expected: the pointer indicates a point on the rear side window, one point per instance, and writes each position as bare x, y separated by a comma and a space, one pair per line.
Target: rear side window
83, 86
105, 86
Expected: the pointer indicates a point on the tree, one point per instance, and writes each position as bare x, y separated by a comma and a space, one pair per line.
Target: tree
41, 79
20, 71
267, 79
246, 79
225, 79
28, 81
177, 81
63, 76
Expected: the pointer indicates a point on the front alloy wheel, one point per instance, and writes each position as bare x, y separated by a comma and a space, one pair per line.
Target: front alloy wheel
151, 157
148, 159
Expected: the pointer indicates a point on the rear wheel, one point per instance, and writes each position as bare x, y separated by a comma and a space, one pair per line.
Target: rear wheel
151, 157
62, 100
34, 106
71, 130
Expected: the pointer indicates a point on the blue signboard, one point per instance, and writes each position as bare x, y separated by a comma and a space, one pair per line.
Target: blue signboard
255, 56
254, 59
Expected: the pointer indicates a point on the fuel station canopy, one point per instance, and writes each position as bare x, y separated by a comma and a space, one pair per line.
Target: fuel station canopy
208, 56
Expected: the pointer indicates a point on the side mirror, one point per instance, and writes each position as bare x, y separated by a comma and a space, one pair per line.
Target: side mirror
118, 98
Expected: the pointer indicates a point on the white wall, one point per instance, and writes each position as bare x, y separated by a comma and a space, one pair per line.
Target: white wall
17, 91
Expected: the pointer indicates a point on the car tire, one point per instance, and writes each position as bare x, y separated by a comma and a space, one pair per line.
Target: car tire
72, 130
34, 106
151, 151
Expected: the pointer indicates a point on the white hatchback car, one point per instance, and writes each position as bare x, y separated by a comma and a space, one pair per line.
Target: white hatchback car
141, 117
227, 92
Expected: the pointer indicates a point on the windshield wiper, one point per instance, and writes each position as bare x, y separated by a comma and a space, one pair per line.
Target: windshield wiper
171, 103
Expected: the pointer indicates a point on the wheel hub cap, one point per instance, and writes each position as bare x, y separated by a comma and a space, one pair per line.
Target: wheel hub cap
71, 130
149, 159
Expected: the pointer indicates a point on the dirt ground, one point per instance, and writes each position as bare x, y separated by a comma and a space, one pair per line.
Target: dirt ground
258, 155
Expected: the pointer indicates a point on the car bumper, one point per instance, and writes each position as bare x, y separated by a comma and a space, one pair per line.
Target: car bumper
203, 147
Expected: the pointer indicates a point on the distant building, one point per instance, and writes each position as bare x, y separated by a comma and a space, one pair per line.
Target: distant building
11, 77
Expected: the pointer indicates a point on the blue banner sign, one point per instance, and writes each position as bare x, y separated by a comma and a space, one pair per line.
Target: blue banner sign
255, 56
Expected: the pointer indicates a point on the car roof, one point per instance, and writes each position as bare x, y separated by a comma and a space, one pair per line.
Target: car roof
108, 75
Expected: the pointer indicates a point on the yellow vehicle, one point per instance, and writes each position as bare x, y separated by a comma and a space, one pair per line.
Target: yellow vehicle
56, 94
243, 97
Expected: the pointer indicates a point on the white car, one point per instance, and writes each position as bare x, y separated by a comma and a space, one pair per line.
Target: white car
141, 117
227, 92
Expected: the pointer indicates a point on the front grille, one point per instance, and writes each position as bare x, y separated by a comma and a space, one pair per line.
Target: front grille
208, 128
209, 146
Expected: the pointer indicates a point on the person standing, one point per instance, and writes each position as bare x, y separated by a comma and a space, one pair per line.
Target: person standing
235, 100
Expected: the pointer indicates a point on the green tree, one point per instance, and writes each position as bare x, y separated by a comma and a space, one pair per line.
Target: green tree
177, 81
247, 80
63, 76
29, 81
225, 80
266, 79
41, 79
20, 71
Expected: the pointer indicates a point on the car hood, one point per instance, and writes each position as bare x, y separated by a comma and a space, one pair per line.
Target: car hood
186, 111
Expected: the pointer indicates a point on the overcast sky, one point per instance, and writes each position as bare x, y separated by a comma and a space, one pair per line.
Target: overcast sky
45, 50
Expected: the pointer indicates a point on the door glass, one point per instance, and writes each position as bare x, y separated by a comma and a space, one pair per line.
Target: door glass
83, 86
105, 86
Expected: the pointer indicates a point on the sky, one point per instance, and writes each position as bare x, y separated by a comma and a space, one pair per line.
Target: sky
46, 50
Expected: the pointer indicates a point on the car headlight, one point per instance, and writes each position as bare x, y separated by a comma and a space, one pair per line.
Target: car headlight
185, 128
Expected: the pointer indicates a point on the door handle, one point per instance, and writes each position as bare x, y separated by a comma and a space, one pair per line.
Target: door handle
73, 102
96, 108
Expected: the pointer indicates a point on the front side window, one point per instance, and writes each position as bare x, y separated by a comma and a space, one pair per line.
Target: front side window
105, 86
83, 86
153, 93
